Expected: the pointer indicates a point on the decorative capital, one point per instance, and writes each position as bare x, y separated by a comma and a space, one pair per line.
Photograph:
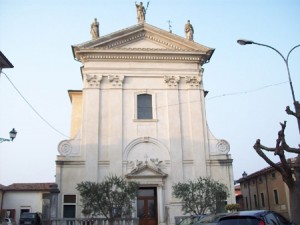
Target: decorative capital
93, 81
193, 81
116, 80
172, 81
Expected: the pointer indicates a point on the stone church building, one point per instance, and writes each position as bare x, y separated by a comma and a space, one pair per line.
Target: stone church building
141, 115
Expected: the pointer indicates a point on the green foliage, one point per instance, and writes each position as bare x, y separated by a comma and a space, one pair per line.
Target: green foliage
201, 195
232, 207
111, 198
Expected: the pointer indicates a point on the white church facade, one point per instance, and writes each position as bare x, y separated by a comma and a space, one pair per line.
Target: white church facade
141, 115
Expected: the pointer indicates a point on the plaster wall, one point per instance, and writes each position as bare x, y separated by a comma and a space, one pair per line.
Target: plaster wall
23, 200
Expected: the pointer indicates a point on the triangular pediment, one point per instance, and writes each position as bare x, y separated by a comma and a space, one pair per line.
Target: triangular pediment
143, 37
146, 170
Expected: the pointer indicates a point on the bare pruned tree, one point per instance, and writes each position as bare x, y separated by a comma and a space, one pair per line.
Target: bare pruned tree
290, 171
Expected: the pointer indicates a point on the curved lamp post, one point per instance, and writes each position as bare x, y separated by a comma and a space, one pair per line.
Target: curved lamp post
286, 61
12, 135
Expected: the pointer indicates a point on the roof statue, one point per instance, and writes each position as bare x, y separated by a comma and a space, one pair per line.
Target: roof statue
170, 26
189, 31
141, 12
95, 29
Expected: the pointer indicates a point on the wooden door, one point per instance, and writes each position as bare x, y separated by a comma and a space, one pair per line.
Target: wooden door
147, 206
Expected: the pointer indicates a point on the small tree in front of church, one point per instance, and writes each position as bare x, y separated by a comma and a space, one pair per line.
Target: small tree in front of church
200, 196
112, 198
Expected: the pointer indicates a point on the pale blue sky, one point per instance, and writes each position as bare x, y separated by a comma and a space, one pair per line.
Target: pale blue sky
36, 36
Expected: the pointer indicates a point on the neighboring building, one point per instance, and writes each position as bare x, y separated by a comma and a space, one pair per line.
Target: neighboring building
265, 189
239, 197
25, 197
141, 115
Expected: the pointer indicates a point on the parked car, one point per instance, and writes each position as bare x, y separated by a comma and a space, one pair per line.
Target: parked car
30, 219
258, 217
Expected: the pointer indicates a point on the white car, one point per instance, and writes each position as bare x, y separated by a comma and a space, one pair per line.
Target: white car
9, 221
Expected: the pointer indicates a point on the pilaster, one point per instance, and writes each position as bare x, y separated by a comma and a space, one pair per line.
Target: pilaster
175, 135
197, 124
90, 125
116, 123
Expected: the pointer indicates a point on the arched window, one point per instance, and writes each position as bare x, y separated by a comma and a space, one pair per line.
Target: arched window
144, 106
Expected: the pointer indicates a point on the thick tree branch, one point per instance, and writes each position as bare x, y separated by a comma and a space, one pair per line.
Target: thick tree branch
287, 148
290, 112
258, 148
281, 146
295, 114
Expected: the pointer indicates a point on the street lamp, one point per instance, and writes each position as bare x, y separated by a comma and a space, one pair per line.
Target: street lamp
12, 135
286, 61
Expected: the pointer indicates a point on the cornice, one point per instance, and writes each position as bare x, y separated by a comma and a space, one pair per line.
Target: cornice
143, 56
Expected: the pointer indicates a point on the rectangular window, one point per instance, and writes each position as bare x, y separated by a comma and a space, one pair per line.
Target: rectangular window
273, 175
24, 211
276, 199
262, 196
69, 206
255, 200
144, 106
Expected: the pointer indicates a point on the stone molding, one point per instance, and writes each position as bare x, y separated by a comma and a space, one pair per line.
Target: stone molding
103, 56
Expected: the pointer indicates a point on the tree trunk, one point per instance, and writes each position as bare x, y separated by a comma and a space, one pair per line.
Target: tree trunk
295, 202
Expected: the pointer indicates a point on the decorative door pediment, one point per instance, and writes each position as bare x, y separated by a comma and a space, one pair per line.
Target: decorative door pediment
146, 169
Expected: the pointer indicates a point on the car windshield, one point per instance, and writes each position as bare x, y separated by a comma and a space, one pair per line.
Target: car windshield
27, 216
239, 221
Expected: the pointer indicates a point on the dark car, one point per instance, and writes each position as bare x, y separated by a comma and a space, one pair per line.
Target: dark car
255, 217
30, 219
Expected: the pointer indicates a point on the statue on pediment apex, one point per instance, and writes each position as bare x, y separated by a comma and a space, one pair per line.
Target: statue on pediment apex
141, 12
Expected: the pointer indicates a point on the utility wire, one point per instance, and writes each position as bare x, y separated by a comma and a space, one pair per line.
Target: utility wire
217, 96
36, 112
246, 92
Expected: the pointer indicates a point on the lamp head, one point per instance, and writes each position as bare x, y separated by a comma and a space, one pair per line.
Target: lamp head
245, 42
13, 134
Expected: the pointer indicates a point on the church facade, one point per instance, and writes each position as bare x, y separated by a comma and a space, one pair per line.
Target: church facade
141, 115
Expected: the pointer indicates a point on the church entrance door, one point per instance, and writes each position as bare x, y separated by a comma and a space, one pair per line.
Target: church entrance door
147, 206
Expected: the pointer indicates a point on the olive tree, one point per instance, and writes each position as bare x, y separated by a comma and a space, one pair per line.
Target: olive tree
111, 198
200, 196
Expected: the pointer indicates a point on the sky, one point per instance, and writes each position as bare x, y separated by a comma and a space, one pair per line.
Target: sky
248, 85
